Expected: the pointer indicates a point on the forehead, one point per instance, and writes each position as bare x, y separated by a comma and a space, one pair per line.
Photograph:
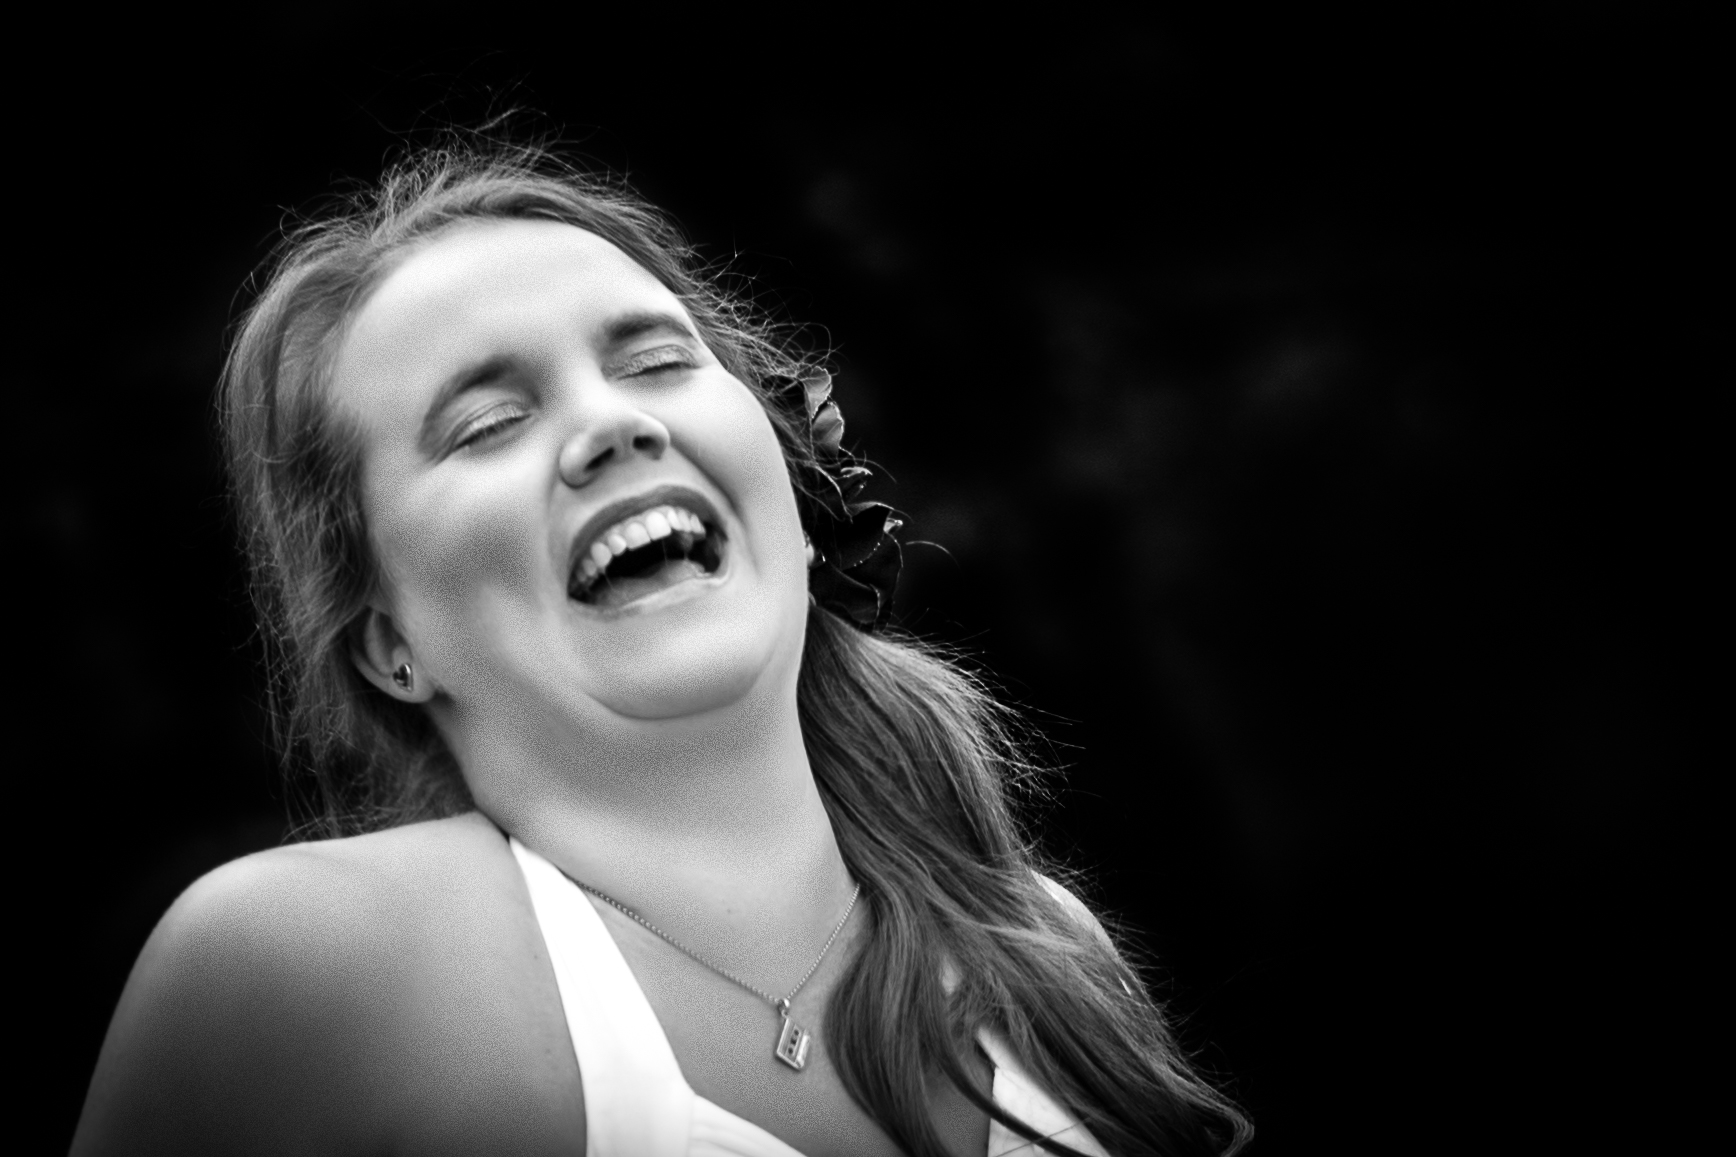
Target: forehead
490, 284
481, 258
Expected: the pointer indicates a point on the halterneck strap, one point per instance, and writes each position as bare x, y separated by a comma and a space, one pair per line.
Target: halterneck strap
637, 1103
1017, 1093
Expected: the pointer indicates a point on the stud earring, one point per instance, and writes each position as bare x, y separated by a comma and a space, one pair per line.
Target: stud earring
404, 677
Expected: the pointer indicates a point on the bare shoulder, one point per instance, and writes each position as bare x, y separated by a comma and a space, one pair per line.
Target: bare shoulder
1074, 906
323, 996
317, 912
356, 869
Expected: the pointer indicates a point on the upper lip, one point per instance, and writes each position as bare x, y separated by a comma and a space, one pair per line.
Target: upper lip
622, 508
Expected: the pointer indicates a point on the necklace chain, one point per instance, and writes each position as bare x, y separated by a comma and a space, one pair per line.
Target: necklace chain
781, 1004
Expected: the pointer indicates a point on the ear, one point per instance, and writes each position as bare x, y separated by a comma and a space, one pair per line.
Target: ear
378, 649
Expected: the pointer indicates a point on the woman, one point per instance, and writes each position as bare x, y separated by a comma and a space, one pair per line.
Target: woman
643, 836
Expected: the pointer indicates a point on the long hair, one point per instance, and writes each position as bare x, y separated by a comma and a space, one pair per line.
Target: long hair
915, 760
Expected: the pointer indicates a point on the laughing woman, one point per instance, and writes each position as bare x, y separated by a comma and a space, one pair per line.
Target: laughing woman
643, 836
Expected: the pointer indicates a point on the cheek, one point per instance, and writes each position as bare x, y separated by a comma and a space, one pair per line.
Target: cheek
734, 443
443, 552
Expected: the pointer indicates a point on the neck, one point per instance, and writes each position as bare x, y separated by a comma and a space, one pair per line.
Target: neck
710, 827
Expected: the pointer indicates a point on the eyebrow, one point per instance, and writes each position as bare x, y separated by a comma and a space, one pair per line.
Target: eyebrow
616, 333
628, 326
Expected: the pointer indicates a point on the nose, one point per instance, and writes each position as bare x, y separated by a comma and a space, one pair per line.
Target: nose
608, 438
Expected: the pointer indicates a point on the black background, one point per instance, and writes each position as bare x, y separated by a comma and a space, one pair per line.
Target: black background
1263, 385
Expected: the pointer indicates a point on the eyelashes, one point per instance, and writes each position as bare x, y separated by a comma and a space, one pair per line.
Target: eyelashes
503, 415
667, 357
490, 422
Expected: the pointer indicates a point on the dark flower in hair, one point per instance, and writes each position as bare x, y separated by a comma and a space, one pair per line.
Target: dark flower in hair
856, 557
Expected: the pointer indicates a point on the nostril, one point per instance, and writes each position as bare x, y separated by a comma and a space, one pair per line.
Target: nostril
594, 463
645, 442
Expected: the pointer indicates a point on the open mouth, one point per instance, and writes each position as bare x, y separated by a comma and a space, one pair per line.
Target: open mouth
648, 551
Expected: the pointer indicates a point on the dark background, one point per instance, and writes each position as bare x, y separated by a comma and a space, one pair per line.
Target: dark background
1269, 390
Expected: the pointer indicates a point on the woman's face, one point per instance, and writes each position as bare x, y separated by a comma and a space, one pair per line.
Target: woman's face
573, 505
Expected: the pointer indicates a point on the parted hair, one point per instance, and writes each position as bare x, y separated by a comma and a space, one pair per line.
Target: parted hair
917, 762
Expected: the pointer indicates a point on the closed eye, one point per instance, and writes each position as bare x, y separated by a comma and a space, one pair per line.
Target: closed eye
490, 422
662, 358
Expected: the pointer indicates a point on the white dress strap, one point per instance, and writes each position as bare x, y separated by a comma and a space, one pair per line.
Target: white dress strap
1018, 1094
637, 1103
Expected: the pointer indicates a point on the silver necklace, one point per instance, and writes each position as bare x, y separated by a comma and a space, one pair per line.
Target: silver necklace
793, 1039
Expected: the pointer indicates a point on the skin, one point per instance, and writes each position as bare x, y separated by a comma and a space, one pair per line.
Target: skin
391, 991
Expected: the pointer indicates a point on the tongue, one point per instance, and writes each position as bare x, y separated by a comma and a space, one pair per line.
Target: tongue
619, 591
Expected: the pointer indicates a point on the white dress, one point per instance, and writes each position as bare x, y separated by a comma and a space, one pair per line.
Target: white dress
637, 1103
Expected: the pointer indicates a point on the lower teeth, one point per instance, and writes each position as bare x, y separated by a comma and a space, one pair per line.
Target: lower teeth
701, 554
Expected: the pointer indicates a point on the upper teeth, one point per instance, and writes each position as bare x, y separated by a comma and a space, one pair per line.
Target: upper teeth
632, 533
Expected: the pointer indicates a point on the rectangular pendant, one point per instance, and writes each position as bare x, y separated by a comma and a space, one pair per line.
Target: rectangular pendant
793, 1044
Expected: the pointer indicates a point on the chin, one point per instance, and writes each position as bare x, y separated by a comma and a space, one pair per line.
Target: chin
693, 658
